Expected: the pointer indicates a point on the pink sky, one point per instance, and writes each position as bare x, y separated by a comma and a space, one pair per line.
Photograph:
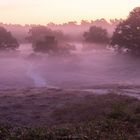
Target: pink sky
60, 11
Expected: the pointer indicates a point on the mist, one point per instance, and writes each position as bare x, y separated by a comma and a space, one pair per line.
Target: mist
25, 68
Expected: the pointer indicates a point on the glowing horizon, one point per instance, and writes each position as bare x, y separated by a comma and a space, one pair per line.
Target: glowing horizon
62, 11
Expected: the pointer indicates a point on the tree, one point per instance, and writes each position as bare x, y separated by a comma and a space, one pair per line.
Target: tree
127, 34
45, 40
39, 32
7, 41
96, 35
49, 44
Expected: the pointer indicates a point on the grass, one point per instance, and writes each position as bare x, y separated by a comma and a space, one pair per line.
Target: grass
106, 117
110, 129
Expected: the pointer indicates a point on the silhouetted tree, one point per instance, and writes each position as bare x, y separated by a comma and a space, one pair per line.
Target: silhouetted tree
7, 41
48, 45
127, 34
96, 35
39, 32
46, 40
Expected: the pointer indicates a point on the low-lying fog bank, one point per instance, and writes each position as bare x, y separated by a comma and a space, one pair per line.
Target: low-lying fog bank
83, 68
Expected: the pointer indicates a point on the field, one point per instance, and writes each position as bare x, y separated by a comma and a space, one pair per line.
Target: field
57, 114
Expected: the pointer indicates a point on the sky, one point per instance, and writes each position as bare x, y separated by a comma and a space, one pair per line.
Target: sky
61, 11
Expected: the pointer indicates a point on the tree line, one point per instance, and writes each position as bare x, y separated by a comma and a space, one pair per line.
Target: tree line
126, 37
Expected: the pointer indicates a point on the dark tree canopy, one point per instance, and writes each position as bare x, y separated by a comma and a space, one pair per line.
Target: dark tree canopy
49, 44
127, 33
96, 35
45, 40
7, 41
39, 32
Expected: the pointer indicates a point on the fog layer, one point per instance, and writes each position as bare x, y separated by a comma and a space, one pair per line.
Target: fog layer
96, 67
